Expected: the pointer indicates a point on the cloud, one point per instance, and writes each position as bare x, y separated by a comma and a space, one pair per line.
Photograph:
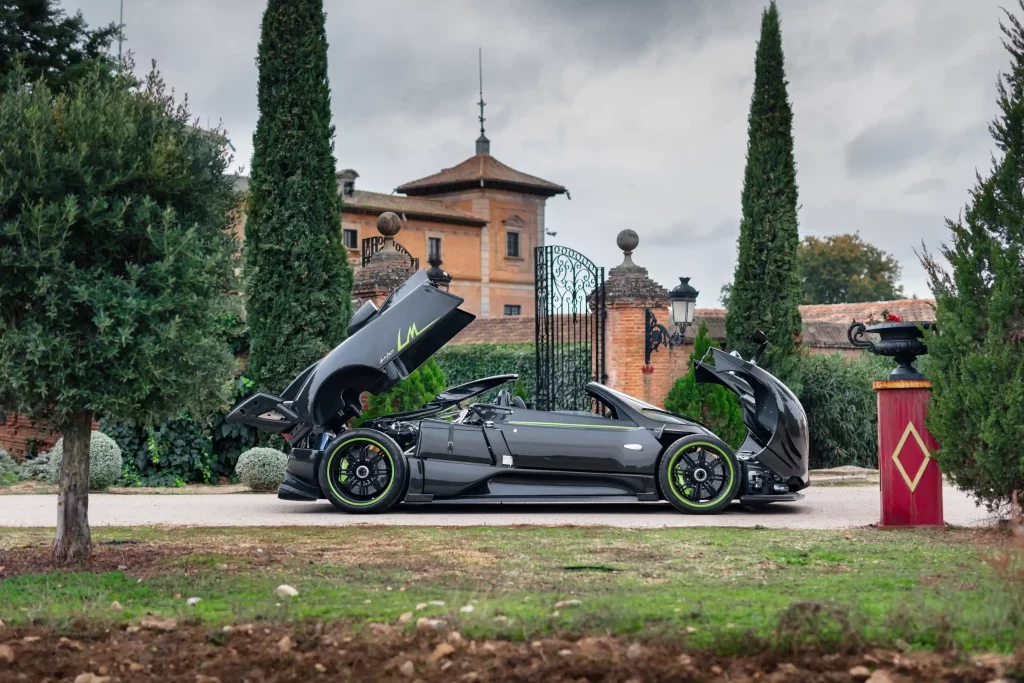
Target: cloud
639, 108
889, 147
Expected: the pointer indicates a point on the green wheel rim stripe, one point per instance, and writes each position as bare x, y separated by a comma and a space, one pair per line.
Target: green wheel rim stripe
330, 479
672, 481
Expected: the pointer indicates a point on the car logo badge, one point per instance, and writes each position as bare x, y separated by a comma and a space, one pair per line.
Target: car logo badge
412, 333
634, 446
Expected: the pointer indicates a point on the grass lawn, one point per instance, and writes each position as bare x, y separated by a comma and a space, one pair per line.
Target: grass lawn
727, 590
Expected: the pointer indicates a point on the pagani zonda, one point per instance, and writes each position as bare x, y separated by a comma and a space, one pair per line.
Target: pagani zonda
457, 450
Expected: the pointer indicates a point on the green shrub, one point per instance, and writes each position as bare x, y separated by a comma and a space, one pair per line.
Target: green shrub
104, 461
413, 392
261, 469
38, 468
840, 403
520, 391
185, 450
230, 440
711, 404
10, 471
171, 453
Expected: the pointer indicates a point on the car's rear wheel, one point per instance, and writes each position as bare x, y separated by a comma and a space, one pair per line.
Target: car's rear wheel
363, 471
699, 474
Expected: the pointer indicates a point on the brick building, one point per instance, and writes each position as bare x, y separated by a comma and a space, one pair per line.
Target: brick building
481, 217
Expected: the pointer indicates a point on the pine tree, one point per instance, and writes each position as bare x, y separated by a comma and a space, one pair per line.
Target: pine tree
49, 44
765, 293
976, 361
711, 404
299, 283
116, 266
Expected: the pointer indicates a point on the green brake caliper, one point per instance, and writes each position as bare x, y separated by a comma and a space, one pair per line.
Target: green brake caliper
343, 471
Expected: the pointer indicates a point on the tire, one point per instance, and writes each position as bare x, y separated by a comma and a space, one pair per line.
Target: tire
352, 489
699, 474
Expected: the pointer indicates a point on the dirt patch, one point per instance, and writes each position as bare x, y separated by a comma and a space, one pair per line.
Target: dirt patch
171, 652
134, 558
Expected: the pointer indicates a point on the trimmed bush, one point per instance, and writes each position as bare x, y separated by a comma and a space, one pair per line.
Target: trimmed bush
104, 461
261, 469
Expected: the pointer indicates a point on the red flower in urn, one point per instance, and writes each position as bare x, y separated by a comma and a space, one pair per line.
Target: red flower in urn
890, 318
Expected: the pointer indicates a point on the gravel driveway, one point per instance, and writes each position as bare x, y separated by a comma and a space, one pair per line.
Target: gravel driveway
823, 508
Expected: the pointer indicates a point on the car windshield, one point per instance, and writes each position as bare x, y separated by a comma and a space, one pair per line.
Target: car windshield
646, 409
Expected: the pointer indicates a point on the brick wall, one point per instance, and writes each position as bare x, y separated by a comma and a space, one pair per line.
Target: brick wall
19, 436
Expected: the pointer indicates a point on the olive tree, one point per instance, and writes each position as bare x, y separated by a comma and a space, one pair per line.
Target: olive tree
116, 265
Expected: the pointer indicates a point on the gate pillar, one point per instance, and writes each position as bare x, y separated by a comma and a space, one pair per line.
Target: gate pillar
628, 291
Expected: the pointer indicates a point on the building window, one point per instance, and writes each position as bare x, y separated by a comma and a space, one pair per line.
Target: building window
512, 244
350, 238
511, 310
433, 249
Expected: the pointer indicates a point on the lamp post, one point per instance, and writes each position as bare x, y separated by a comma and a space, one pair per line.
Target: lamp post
441, 279
683, 299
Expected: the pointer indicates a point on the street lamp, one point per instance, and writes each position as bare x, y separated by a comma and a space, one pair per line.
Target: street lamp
683, 299
437, 274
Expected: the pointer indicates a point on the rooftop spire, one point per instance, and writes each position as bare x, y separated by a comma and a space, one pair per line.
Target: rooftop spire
483, 145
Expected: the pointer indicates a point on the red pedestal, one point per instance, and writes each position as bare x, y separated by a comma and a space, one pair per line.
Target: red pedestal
911, 482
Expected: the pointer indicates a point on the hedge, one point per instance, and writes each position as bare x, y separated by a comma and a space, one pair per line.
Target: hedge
468, 362
837, 396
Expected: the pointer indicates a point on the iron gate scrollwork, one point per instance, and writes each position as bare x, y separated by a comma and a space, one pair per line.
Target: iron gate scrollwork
570, 321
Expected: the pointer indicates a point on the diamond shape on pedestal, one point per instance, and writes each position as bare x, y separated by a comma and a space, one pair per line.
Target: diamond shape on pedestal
925, 456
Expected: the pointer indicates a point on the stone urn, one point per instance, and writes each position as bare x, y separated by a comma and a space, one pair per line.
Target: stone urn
903, 341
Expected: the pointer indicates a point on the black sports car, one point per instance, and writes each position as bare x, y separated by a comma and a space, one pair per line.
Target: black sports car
457, 450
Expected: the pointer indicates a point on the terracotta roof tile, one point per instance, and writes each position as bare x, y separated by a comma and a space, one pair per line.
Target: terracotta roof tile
825, 326
907, 309
482, 167
417, 207
512, 329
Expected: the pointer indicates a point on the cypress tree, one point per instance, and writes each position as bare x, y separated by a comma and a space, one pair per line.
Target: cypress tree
765, 293
299, 282
976, 362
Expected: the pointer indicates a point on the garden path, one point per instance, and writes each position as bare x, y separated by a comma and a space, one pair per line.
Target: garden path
823, 508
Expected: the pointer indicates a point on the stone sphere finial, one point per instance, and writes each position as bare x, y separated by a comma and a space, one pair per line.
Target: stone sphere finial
388, 224
627, 241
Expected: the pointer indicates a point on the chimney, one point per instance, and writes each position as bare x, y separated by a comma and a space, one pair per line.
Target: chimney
347, 182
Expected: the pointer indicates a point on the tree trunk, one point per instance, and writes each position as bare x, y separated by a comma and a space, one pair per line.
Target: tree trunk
73, 542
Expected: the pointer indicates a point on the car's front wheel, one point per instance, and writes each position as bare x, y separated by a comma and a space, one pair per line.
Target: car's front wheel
363, 471
699, 474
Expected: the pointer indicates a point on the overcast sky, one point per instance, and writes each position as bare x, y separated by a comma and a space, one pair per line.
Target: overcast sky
639, 108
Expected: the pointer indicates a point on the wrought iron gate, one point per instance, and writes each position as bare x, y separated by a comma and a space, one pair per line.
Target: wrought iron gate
569, 290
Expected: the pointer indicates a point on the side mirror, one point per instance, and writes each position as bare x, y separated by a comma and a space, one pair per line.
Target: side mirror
759, 337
